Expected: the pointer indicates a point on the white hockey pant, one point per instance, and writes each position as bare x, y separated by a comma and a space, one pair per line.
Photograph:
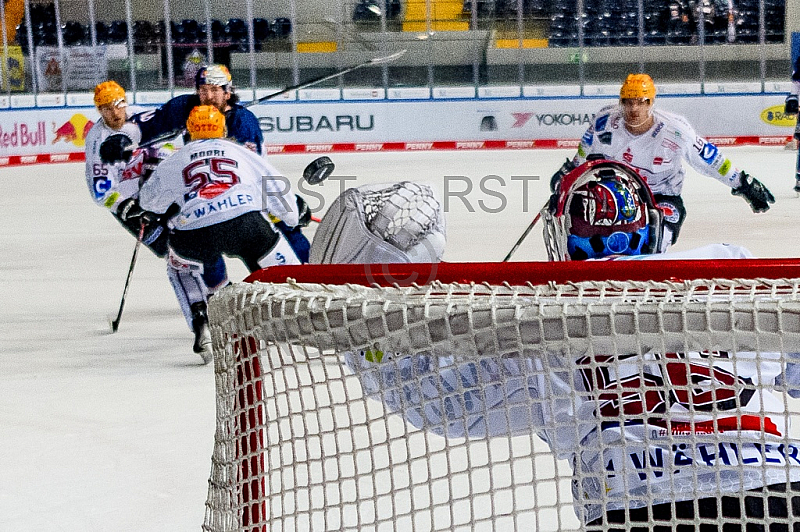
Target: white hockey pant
280, 254
189, 288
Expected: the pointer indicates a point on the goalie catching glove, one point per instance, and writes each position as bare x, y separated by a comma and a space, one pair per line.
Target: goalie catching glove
754, 192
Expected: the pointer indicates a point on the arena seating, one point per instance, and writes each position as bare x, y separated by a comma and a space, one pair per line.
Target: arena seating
603, 22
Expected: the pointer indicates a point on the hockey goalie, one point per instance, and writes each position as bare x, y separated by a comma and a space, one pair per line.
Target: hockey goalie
656, 441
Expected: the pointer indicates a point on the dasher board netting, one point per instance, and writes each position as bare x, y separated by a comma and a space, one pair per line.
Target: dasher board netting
497, 407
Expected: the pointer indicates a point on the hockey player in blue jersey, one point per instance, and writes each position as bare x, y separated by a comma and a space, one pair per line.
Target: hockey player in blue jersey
213, 87
790, 108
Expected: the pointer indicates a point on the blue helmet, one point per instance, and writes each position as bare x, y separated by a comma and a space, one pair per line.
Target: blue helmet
602, 208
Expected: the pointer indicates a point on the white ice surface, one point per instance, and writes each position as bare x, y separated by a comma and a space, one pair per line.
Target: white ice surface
102, 432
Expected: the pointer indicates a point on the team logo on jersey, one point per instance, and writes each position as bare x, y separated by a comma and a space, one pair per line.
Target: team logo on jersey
101, 186
628, 156
670, 145
212, 190
674, 380
658, 161
708, 152
600, 125
671, 214
73, 130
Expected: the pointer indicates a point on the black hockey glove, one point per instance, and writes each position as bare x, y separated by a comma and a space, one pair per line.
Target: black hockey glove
131, 213
304, 213
129, 210
790, 106
116, 148
566, 168
754, 192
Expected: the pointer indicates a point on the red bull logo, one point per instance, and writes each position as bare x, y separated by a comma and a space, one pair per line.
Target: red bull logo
23, 135
74, 130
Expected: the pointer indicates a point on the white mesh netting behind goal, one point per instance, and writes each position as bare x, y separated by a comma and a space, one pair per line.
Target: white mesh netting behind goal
500, 405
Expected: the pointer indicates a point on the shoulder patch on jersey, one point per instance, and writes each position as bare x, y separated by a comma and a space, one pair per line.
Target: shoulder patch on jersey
600, 123
708, 152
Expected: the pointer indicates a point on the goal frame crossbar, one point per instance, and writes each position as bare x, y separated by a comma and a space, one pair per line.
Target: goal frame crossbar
524, 273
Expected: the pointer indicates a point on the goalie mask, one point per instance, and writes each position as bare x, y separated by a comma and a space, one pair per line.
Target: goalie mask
602, 208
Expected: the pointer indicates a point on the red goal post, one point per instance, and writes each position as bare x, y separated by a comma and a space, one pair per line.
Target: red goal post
327, 419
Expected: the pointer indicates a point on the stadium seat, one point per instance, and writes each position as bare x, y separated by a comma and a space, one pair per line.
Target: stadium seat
236, 31
262, 30
145, 39
282, 27
73, 33
118, 32
188, 31
217, 31
100, 33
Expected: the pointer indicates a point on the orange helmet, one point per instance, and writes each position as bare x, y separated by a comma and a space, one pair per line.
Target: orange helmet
206, 122
638, 86
109, 92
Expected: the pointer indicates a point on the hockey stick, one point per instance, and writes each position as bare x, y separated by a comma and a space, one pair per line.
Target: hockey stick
797, 164
527, 231
115, 322
372, 62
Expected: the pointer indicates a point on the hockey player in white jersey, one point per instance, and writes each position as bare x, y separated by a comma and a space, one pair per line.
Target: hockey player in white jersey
630, 469
656, 142
790, 108
116, 187
218, 195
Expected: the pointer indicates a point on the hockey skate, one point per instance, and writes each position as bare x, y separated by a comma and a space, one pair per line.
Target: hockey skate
202, 335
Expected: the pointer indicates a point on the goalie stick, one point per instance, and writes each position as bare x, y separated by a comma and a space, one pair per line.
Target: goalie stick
372, 62
527, 231
115, 322
797, 164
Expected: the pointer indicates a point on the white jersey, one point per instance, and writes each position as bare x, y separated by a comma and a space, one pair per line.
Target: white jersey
215, 180
657, 154
106, 182
726, 433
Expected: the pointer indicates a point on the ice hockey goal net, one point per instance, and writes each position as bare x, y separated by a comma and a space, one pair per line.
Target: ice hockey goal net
517, 396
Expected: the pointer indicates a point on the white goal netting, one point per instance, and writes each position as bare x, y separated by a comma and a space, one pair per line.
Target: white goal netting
456, 406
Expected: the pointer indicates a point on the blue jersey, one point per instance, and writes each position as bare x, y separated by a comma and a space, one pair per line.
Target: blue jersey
242, 124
